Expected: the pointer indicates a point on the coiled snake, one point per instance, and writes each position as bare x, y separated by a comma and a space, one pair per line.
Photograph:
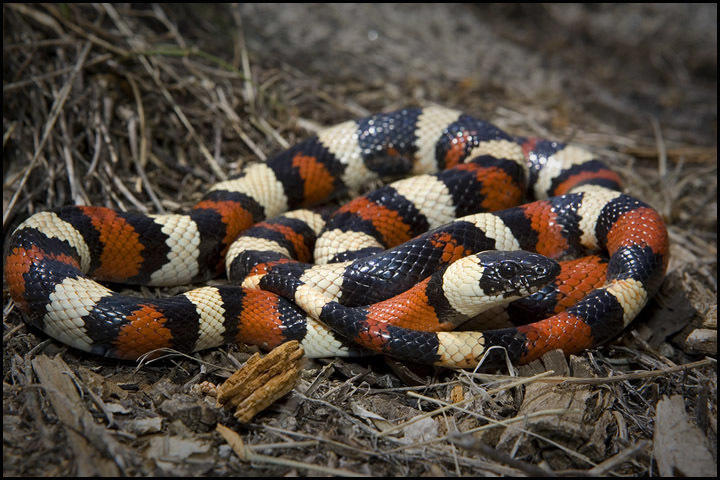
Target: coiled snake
371, 250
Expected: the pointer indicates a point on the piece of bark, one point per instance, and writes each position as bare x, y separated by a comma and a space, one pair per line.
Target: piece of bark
582, 427
95, 451
679, 446
261, 381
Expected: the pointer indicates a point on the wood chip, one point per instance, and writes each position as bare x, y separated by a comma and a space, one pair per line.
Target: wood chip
457, 394
679, 446
95, 450
262, 381
702, 340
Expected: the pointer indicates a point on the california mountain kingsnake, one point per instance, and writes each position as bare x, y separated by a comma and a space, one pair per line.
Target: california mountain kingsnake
482, 168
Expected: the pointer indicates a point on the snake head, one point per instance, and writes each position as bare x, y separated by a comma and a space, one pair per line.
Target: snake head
515, 274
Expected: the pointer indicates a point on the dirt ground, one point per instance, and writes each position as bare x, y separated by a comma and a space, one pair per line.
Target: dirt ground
143, 107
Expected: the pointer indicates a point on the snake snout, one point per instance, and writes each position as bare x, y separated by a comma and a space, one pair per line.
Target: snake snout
536, 271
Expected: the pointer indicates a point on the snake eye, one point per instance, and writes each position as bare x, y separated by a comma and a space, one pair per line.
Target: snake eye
508, 269
541, 271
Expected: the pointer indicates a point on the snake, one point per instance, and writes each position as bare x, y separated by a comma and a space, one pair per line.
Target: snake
473, 213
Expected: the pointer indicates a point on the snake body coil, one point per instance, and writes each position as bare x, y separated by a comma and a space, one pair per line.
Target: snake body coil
378, 241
